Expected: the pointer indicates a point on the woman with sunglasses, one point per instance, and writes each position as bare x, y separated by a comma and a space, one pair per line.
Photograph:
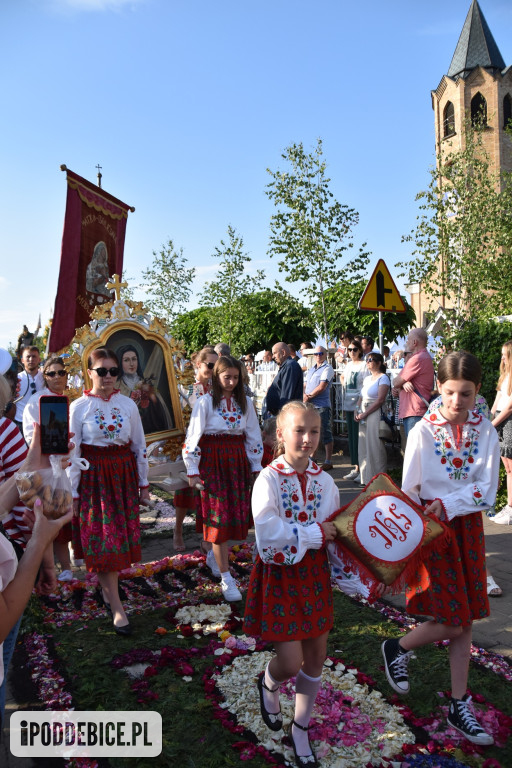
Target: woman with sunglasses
109, 434
372, 451
55, 382
185, 499
352, 380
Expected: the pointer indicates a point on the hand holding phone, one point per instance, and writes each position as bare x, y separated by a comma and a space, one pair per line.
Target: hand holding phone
54, 422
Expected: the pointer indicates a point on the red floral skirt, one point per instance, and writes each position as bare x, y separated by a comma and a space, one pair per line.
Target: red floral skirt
224, 507
185, 498
291, 602
109, 508
451, 586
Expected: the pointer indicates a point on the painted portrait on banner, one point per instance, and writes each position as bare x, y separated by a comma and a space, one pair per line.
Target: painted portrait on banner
97, 273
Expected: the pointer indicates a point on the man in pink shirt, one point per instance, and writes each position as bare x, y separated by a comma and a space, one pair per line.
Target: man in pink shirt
415, 381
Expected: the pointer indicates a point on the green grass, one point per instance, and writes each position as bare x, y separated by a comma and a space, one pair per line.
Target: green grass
193, 738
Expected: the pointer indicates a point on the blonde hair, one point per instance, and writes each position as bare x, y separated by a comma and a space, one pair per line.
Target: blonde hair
506, 367
293, 405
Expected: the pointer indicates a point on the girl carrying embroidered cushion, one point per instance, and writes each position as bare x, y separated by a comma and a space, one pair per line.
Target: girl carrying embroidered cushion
109, 434
222, 448
451, 467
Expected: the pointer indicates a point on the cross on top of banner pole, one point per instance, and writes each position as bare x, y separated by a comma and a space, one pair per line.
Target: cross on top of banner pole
115, 284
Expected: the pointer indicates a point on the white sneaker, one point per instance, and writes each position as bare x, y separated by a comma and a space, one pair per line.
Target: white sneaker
351, 475
65, 576
357, 478
504, 517
230, 590
77, 563
212, 563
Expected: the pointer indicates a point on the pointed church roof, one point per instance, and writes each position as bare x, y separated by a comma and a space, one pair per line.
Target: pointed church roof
476, 46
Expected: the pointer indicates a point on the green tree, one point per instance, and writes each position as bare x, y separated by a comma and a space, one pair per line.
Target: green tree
462, 256
167, 282
311, 231
341, 302
193, 328
270, 316
232, 284
484, 338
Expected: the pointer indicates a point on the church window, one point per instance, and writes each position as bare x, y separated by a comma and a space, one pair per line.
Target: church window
478, 110
448, 119
507, 110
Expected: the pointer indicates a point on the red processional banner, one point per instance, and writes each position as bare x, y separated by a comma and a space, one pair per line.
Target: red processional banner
92, 251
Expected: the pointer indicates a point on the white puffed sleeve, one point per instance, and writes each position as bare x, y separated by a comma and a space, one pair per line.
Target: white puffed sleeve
76, 412
191, 452
138, 443
253, 443
413, 465
31, 415
480, 494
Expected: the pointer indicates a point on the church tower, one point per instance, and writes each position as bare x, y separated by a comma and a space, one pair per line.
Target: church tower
477, 83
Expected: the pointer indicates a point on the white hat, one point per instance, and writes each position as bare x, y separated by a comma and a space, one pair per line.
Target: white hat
5, 361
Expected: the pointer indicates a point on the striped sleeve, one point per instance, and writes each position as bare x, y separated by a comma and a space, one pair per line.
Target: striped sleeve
13, 451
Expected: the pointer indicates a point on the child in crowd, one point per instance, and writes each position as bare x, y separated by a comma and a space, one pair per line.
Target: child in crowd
185, 499
450, 467
268, 435
292, 499
222, 448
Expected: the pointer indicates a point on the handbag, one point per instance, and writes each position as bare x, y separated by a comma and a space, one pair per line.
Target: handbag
385, 429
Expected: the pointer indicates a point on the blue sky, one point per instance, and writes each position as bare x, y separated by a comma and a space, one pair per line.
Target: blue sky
185, 104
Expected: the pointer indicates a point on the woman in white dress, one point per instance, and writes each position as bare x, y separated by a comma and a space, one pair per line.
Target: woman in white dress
372, 451
352, 379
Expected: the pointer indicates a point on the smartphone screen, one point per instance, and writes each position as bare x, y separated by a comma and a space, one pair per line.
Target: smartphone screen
53, 418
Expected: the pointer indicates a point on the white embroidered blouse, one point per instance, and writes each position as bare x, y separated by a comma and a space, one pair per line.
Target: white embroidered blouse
287, 521
458, 466
115, 421
226, 418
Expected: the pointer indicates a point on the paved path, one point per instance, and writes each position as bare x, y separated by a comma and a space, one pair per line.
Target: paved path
493, 633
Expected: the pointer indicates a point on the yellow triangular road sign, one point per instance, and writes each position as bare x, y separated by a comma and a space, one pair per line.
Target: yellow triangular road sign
381, 293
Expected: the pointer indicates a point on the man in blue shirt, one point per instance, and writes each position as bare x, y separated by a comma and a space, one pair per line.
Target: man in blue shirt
288, 384
318, 392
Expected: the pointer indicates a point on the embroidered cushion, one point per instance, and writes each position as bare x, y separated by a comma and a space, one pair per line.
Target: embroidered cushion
383, 533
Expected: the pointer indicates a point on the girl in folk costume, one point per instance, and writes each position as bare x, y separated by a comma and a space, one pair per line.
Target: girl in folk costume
222, 449
185, 499
451, 467
292, 498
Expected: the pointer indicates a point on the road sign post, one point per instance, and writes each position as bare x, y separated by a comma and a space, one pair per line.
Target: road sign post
381, 295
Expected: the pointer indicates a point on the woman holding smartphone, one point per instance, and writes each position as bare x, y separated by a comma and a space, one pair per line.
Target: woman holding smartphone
55, 383
108, 433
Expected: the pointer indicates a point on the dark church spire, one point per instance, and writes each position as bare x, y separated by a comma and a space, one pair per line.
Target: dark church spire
476, 46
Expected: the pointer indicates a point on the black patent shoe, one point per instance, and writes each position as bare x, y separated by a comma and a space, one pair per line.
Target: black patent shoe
303, 761
272, 721
126, 629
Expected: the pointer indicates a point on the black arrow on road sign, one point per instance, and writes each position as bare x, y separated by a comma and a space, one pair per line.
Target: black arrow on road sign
381, 290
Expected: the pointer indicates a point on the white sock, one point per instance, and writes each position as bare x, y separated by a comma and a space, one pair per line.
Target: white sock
271, 698
306, 689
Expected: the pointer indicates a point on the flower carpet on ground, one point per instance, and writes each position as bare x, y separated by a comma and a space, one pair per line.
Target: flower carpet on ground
189, 659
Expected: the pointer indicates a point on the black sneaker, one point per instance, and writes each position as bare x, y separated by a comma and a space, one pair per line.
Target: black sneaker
395, 663
463, 720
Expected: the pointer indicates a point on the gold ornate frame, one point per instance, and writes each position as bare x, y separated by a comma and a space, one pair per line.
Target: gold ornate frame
134, 327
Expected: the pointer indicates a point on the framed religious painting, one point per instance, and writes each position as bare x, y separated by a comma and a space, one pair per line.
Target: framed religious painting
146, 375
